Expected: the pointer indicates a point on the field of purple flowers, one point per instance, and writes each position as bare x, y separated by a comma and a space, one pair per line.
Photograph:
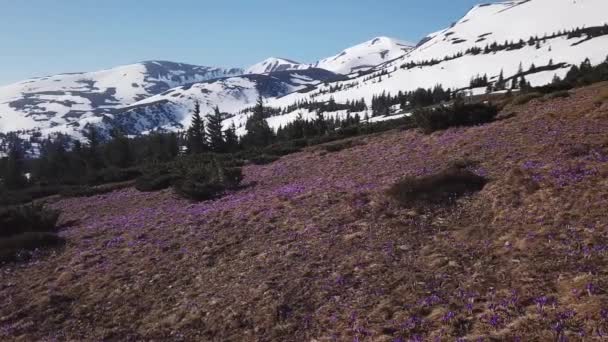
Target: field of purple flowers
312, 249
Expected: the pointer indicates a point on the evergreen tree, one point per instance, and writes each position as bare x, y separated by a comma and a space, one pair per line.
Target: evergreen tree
214, 131
91, 152
196, 137
523, 85
117, 151
320, 124
13, 173
54, 165
500, 84
514, 84
232, 140
259, 133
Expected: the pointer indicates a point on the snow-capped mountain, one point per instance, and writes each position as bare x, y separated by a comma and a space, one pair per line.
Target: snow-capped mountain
173, 109
365, 55
538, 37
55, 102
273, 64
357, 58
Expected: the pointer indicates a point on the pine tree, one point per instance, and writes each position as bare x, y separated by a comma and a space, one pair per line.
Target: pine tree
196, 138
500, 84
523, 85
514, 84
320, 124
92, 155
13, 176
232, 140
259, 133
117, 152
214, 131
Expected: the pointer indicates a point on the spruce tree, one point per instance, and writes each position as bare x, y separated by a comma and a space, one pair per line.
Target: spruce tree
232, 140
523, 85
13, 173
195, 136
117, 151
320, 124
214, 131
92, 153
500, 84
259, 134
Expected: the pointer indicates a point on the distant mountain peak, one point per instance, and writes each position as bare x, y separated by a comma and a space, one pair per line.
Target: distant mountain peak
366, 55
274, 64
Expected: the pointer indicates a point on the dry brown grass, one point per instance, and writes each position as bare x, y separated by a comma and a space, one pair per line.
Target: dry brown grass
601, 97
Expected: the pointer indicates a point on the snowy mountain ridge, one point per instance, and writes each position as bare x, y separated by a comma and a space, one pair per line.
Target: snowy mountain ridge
171, 110
356, 58
453, 56
540, 39
54, 102
273, 64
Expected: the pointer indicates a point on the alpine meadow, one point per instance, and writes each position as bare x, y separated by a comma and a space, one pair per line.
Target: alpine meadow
453, 188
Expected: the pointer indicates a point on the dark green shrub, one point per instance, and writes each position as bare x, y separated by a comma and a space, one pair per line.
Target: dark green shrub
443, 187
207, 180
460, 114
525, 98
154, 181
27, 195
27, 218
88, 191
26, 228
264, 159
281, 149
339, 146
299, 143
11, 247
559, 94
114, 175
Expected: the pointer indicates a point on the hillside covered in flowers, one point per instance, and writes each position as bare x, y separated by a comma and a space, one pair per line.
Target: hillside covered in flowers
312, 248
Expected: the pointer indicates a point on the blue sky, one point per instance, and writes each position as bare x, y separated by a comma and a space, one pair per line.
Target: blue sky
44, 37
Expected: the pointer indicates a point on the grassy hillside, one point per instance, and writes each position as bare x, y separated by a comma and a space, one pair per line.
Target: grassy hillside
314, 249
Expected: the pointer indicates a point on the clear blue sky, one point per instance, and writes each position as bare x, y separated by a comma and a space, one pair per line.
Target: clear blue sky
43, 37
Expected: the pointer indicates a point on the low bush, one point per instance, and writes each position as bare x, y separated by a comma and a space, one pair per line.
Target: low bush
460, 114
440, 188
26, 228
281, 150
207, 181
559, 94
89, 191
114, 175
154, 181
27, 218
17, 197
525, 98
264, 159
339, 146
11, 248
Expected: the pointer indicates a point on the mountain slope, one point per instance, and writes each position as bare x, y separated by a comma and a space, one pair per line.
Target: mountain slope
455, 64
172, 109
365, 55
71, 99
357, 58
274, 64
